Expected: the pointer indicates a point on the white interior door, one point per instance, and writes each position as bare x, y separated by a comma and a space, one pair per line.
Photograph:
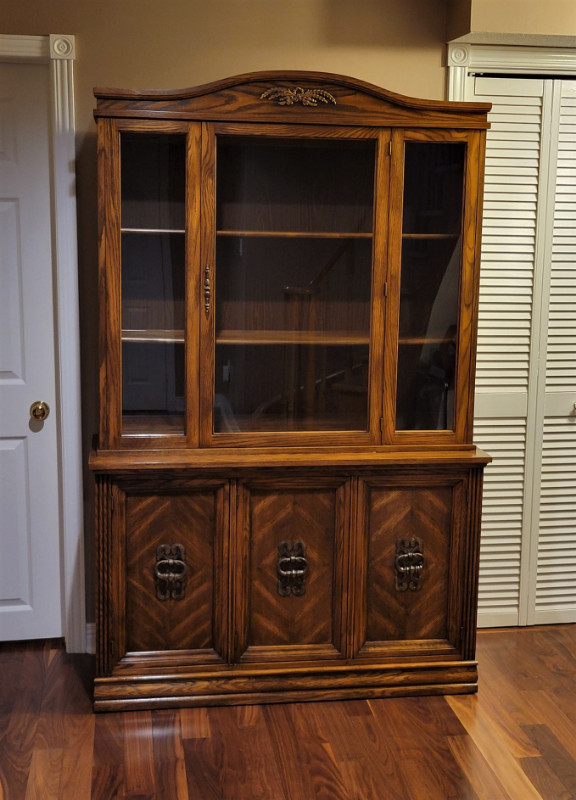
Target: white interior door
30, 565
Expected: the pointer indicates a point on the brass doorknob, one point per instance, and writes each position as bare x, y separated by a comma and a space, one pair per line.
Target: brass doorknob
39, 410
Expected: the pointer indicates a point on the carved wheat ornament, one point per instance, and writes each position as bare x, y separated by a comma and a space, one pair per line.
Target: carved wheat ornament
291, 97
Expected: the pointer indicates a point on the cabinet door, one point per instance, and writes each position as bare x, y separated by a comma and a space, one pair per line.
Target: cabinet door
290, 588
149, 197
433, 286
411, 554
163, 576
292, 325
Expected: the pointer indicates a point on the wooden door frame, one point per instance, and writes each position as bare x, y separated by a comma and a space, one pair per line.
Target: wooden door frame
58, 52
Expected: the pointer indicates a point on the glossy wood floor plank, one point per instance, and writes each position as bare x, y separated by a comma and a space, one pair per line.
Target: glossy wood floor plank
515, 740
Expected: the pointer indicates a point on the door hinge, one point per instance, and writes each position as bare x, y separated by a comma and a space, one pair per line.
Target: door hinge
385, 288
390, 147
381, 423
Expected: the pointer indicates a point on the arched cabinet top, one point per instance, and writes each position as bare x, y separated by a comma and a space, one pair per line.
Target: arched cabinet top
291, 97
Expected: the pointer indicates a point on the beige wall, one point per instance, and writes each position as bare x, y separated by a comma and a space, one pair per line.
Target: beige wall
178, 43
175, 43
546, 17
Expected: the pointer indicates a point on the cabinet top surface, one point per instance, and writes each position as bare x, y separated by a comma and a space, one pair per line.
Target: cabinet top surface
102, 460
295, 96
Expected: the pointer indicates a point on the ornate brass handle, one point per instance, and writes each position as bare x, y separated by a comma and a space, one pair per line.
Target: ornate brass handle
39, 410
207, 289
170, 572
292, 568
409, 563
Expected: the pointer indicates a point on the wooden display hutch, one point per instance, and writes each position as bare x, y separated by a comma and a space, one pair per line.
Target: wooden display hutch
288, 497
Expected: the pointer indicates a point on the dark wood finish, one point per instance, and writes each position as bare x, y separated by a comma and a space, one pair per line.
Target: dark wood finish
399, 509
187, 520
306, 626
238, 98
515, 739
305, 460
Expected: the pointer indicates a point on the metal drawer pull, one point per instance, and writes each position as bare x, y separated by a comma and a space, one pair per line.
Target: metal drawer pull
170, 572
409, 563
292, 569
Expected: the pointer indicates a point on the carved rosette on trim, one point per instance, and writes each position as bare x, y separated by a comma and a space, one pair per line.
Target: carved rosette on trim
170, 572
409, 563
284, 96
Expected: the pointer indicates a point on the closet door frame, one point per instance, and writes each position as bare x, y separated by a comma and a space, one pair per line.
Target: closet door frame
531, 58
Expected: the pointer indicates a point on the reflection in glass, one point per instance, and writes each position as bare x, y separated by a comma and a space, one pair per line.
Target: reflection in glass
293, 284
431, 254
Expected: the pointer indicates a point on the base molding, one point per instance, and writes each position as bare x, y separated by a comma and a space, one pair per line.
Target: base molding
282, 685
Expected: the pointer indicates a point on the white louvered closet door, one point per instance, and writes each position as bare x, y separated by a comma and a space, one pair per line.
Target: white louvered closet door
555, 593
526, 385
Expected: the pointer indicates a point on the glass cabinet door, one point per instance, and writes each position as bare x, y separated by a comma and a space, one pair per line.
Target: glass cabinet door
152, 191
292, 314
430, 284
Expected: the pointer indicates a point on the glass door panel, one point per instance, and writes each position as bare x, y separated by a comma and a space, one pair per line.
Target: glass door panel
153, 282
293, 284
429, 286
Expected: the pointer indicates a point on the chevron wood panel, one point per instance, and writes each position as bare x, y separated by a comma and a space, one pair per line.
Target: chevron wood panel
151, 520
402, 513
292, 515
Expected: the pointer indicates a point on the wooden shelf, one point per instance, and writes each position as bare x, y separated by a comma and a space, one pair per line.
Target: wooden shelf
427, 236
337, 338
420, 340
158, 336
292, 337
283, 424
295, 234
153, 230
152, 424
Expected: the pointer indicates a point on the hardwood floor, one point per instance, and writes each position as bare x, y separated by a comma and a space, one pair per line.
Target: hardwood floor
514, 740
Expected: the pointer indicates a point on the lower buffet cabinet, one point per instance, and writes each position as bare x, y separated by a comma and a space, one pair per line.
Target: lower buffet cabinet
286, 584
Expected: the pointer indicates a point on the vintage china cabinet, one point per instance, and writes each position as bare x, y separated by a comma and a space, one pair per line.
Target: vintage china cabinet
288, 496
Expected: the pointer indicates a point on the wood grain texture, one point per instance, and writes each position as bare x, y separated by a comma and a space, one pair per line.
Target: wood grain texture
514, 740
399, 514
187, 520
234, 638
313, 455
294, 513
239, 98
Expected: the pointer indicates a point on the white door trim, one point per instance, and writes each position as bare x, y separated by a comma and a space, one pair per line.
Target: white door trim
58, 51
520, 58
